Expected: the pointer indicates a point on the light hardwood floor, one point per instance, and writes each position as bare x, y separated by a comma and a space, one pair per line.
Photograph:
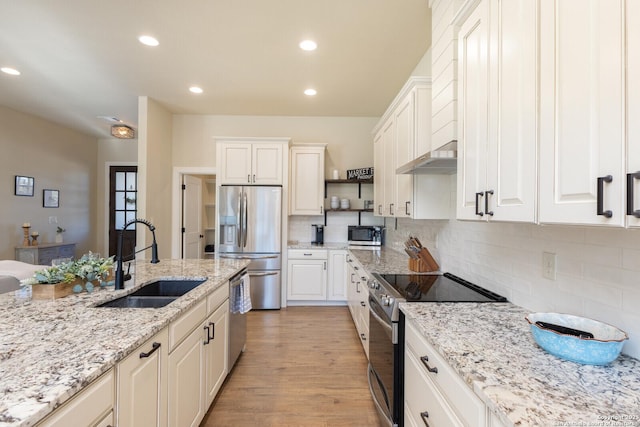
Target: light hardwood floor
303, 366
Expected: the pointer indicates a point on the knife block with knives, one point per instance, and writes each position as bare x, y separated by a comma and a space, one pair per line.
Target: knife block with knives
420, 259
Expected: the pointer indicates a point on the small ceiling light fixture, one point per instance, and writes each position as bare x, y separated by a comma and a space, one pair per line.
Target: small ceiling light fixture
308, 45
122, 132
10, 70
310, 92
195, 89
148, 40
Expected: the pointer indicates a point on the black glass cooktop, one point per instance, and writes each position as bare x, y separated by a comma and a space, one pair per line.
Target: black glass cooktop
439, 288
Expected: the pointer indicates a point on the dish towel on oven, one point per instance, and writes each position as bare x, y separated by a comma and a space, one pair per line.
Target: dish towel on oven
242, 296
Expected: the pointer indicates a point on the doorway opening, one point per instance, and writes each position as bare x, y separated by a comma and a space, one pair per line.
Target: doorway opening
198, 216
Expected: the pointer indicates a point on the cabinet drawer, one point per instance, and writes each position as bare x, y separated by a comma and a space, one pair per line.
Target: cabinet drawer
217, 297
88, 408
66, 251
45, 255
180, 328
307, 254
423, 401
459, 395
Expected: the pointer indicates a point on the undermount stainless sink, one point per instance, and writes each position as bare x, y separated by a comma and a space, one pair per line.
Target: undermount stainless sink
155, 294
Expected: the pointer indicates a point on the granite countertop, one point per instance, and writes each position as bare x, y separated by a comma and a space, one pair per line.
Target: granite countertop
490, 346
295, 244
50, 350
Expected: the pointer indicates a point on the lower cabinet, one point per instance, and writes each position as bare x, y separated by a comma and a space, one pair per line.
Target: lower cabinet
141, 398
434, 393
317, 275
93, 406
198, 364
358, 300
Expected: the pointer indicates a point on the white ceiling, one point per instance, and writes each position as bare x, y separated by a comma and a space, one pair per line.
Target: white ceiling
80, 59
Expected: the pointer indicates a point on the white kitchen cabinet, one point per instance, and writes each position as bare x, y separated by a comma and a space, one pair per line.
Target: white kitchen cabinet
307, 275
434, 393
497, 146
633, 113
337, 279
582, 111
216, 345
198, 359
358, 300
93, 406
255, 161
402, 135
306, 182
142, 396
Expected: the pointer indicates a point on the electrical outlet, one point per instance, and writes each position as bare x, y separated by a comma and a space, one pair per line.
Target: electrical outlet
549, 261
53, 220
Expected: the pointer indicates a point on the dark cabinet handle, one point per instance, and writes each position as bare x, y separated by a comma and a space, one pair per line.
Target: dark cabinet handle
362, 303
379, 209
631, 177
154, 347
486, 202
424, 415
478, 195
321, 211
406, 208
249, 178
213, 331
206, 328
390, 208
363, 337
600, 196
424, 360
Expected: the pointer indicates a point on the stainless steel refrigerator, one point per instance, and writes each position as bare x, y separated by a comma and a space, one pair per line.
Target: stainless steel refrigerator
250, 221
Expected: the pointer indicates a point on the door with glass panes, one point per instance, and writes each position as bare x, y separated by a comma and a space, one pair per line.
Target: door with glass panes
123, 194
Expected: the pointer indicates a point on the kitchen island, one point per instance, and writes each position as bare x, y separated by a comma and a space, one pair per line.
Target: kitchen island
50, 350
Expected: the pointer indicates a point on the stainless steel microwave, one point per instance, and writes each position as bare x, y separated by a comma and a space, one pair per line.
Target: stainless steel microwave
366, 235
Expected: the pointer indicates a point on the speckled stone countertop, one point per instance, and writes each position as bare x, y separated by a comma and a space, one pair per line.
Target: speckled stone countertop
384, 261
308, 245
49, 350
492, 349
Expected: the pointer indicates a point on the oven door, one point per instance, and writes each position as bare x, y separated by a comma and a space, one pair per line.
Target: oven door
381, 361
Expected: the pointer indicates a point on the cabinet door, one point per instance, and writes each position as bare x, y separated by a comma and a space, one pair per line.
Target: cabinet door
307, 280
185, 395
307, 181
473, 113
404, 141
389, 171
378, 167
581, 111
234, 163
266, 164
215, 344
512, 144
141, 396
633, 107
337, 283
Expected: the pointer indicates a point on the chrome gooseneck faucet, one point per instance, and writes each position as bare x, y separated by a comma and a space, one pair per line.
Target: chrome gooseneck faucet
120, 278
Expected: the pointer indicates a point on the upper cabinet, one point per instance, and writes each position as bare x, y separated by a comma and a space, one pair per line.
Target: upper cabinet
402, 135
306, 179
497, 147
251, 161
582, 110
633, 113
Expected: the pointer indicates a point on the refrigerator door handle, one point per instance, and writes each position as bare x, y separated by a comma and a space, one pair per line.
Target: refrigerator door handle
270, 273
222, 255
245, 224
239, 222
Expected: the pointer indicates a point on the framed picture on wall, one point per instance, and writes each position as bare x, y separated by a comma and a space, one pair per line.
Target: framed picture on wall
24, 185
50, 198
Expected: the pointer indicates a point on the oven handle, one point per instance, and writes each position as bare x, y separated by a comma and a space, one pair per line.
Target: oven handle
379, 319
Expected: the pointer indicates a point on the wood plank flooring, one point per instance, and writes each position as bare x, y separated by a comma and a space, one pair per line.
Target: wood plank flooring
303, 366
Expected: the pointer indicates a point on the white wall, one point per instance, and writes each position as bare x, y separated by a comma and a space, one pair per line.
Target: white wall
58, 158
598, 269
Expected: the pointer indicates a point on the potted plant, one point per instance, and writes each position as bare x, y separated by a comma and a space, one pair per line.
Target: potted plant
91, 268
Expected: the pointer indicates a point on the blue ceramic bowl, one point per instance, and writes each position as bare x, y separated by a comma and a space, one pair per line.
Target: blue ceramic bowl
603, 348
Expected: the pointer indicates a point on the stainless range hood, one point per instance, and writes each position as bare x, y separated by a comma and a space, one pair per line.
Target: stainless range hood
443, 161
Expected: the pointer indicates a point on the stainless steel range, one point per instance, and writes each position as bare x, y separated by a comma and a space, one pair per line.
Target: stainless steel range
386, 328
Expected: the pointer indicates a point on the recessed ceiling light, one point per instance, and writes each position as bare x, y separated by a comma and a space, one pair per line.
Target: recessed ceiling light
148, 40
195, 89
308, 45
10, 70
310, 92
